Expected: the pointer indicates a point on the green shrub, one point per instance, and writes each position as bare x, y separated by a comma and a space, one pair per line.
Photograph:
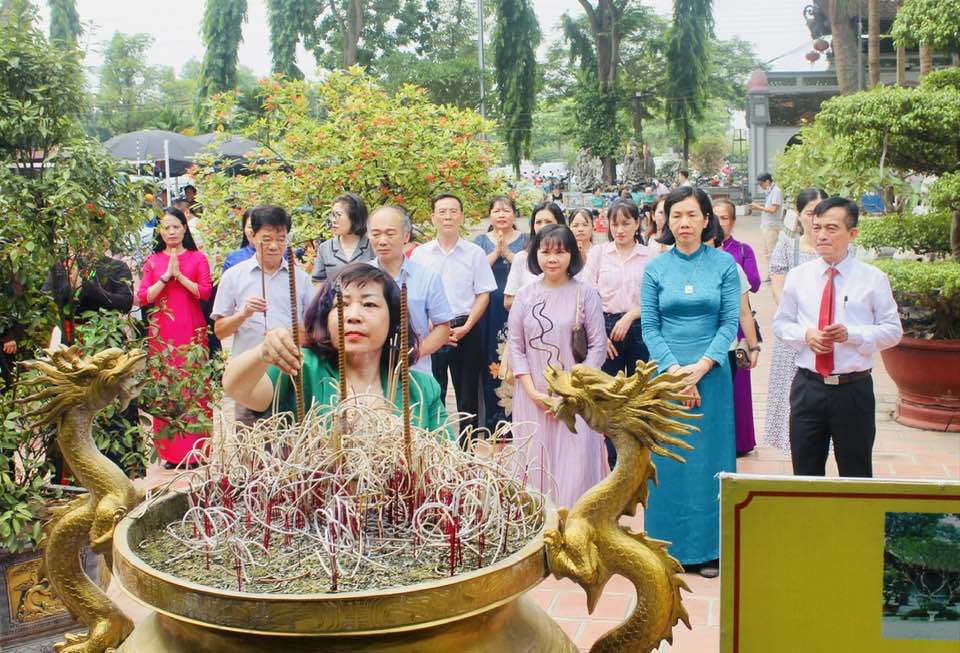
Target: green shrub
921, 234
928, 296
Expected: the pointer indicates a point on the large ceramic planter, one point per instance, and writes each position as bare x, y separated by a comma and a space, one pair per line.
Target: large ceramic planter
484, 611
927, 374
30, 614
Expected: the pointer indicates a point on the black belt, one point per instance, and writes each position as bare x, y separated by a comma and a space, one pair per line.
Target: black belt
835, 379
459, 321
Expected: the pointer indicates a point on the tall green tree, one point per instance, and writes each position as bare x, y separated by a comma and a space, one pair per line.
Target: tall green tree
221, 33
64, 22
604, 20
688, 67
515, 41
287, 19
344, 33
128, 94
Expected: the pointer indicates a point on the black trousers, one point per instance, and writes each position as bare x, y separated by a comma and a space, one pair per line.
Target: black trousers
465, 362
629, 350
844, 412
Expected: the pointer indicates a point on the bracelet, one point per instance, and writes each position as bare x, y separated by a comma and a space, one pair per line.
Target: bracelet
164, 281
757, 348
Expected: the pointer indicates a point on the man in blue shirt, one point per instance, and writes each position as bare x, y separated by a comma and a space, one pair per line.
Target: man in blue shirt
389, 229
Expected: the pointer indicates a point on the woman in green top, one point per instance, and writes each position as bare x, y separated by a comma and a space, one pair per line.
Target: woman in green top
371, 312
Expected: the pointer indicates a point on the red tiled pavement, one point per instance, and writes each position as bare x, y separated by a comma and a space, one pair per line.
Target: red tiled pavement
899, 452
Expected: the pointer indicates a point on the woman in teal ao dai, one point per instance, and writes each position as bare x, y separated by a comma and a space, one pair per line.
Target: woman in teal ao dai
690, 302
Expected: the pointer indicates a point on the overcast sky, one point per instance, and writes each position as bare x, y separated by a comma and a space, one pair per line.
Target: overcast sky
175, 25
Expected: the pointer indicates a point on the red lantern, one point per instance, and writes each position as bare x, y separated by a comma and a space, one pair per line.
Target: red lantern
820, 45
812, 56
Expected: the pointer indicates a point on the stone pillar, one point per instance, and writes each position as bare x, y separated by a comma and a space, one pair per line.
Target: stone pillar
758, 120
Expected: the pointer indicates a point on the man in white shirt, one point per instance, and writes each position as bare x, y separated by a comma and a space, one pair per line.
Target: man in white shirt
254, 295
467, 282
683, 178
836, 312
771, 219
389, 228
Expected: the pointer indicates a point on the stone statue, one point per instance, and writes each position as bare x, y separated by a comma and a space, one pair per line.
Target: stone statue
587, 171
631, 171
648, 166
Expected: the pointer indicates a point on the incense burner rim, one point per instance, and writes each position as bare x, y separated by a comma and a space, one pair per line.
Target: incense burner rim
410, 607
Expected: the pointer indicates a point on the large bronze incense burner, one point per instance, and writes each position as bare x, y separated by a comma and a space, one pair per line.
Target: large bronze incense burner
482, 611
475, 610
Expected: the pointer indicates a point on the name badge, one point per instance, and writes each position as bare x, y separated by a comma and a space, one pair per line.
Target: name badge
688, 289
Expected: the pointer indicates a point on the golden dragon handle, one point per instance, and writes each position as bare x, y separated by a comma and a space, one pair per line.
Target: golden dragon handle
638, 413
70, 390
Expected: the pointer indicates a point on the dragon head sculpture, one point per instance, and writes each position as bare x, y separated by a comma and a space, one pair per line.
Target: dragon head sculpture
69, 380
643, 404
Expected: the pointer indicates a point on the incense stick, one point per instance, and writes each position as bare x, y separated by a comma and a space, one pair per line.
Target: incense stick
405, 373
294, 328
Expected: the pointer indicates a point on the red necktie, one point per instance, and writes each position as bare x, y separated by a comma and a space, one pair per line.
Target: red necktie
825, 361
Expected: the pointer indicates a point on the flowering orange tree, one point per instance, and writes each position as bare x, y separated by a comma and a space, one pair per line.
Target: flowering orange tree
347, 134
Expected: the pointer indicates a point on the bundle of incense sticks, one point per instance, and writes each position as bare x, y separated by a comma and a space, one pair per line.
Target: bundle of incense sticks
295, 329
405, 372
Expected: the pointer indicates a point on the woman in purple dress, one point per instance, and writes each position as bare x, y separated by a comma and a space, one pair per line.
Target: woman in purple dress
742, 253
560, 463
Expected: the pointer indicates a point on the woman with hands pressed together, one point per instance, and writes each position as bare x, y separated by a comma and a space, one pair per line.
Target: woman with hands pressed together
501, 244
176, 278
562, 464
690, 302
372, 318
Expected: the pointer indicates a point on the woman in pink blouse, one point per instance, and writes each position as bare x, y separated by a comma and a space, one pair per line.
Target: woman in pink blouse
615, 269
176, 278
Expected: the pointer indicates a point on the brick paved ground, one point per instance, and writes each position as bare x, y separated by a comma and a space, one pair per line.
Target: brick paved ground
900, 452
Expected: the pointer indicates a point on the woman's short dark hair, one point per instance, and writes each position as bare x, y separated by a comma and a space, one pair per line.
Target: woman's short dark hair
621, 207
270, 215
244, 241
188, 242
653, 223
323, 343
553, 207
356, 211
706, 207
502, 199
808, 195
555, 234
585, 212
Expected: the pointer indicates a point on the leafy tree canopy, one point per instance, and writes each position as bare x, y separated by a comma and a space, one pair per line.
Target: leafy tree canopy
934, 22
349, 134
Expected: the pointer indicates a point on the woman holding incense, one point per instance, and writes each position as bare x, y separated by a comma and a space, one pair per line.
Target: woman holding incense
371, 313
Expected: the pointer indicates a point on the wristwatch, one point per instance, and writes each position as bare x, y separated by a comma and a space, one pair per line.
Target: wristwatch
165, 279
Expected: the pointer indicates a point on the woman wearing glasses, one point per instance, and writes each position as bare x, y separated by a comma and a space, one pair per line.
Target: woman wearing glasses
349, 244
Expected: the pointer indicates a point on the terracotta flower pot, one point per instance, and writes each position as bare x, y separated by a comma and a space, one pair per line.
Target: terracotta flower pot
927, 374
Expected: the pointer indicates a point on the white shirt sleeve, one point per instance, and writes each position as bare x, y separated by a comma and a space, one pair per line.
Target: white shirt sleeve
785, 323
886, 330
515, 278
483, 279
225, 303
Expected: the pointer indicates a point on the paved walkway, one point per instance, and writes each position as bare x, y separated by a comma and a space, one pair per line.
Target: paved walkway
900, 452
